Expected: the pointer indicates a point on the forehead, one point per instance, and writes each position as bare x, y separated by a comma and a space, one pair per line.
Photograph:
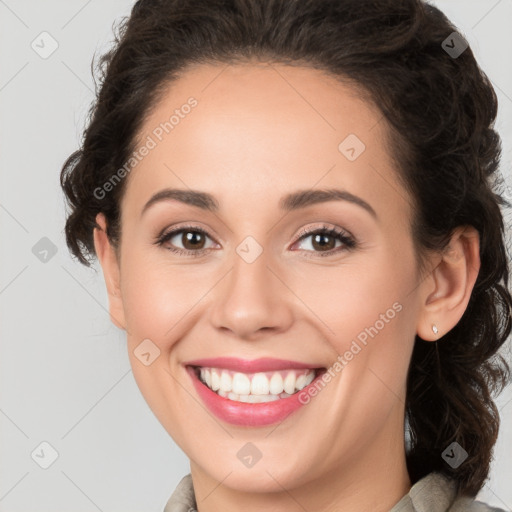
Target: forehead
267, 96
265, 128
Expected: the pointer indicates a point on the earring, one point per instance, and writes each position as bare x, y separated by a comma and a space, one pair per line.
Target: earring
435, 329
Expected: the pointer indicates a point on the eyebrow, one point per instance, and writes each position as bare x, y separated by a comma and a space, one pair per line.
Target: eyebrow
293, 201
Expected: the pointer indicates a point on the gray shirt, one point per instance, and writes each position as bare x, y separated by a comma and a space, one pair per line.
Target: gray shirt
433, 493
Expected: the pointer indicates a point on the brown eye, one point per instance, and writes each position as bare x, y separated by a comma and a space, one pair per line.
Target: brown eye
189, 241
192, 240
325, 241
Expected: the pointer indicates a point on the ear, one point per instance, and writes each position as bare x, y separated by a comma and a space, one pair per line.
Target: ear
446, 291
110, 265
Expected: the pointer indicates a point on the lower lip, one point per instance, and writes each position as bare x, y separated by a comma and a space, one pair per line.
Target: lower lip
246, 414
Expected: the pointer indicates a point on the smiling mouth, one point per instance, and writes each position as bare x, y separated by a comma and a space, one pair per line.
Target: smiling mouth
256, 387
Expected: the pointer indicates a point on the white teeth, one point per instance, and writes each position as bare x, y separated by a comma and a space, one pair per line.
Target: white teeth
252, 399
264, 398
225, 381
257, 387
208, 377
215, 380
310, 377
276, 384
289, 383
241, 384
304, 380
300, 381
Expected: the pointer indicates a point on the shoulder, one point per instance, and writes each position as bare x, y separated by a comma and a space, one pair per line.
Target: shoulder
467, 504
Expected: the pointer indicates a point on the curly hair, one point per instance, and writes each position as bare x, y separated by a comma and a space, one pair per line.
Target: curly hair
440, 112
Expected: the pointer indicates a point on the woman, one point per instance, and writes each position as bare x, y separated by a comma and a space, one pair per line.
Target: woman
292, 205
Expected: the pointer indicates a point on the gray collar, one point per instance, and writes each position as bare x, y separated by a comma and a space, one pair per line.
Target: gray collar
432, 493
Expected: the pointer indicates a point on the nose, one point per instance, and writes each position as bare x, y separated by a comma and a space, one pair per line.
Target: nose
253, 300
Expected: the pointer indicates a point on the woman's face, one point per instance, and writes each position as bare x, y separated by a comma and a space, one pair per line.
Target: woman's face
250, 283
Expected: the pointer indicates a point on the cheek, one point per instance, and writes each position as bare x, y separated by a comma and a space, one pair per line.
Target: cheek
353, 298
366, 312
149, 298
161, 301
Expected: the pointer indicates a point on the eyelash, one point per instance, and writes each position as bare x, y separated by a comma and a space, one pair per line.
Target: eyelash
348, 241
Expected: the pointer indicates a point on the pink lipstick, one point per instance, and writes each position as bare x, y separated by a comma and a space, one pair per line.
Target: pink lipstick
240, 409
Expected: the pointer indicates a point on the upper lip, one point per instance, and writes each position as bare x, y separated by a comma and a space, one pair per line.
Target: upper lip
251, 366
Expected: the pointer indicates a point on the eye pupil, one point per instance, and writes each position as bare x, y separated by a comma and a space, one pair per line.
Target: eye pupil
320, 239
192, 237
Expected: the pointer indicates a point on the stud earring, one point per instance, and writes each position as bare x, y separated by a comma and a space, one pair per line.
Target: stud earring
435, 329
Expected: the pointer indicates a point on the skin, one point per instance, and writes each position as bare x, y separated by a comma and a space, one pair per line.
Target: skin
259, 132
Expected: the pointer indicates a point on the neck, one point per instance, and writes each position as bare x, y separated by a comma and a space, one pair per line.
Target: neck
374, 480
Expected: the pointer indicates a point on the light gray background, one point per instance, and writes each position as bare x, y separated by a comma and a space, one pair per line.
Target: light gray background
65, 374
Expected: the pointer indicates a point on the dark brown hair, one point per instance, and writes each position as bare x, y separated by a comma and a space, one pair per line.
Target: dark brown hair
440, 111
